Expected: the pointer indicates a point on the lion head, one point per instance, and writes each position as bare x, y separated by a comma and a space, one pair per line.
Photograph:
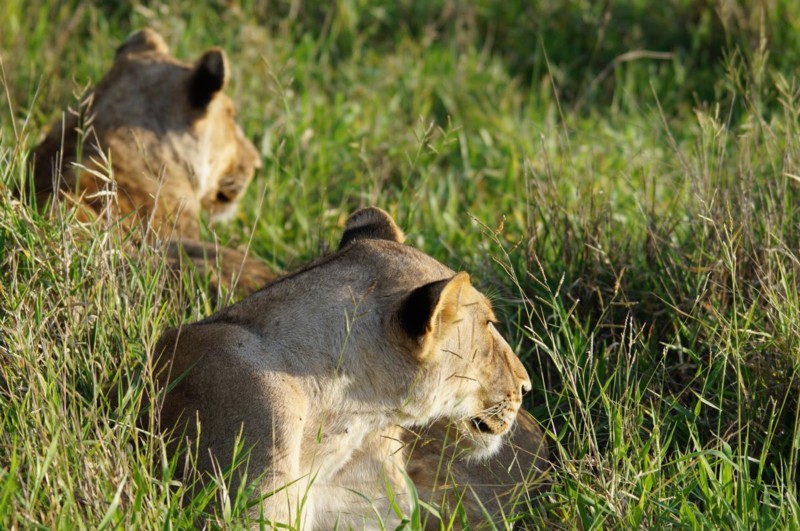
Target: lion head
460, 345
158, 136
468, 372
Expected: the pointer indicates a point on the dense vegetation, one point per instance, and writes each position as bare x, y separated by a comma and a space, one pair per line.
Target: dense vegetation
622, 177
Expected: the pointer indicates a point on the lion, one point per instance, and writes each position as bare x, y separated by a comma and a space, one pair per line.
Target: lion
166, 131
319, 375
155, 144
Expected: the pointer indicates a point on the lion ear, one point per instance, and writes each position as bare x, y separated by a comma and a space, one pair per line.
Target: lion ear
144, 40
371, 223
429, 309
208, 77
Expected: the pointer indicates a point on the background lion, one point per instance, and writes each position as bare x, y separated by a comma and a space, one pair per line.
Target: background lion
155, 143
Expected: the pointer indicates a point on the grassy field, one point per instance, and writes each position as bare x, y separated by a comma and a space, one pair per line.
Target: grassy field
623, 179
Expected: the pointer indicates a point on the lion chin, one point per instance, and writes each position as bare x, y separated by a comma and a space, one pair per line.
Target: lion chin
484, 440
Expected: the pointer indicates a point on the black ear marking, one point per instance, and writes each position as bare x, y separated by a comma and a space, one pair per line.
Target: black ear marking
418, 310
371, 223
208, 78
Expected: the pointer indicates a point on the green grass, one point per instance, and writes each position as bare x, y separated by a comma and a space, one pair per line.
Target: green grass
636, 221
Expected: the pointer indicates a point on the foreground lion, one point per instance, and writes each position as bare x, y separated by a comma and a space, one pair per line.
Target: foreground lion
323, 372
168, 133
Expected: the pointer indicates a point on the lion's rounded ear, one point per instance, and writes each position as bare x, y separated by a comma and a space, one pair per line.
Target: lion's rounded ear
429, 309
371, 223
144, 40
208, 77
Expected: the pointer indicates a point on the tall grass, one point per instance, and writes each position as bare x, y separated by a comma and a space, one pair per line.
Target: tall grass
636, 219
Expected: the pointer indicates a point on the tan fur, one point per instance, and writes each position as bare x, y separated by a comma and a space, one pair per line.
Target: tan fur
323, 370
167, 131
220, 266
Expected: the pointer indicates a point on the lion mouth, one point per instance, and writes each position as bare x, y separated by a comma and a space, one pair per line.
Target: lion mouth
485, 435
481, 426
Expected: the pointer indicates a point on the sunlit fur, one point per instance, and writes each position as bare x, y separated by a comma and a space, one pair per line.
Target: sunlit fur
138, 145
320, 374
